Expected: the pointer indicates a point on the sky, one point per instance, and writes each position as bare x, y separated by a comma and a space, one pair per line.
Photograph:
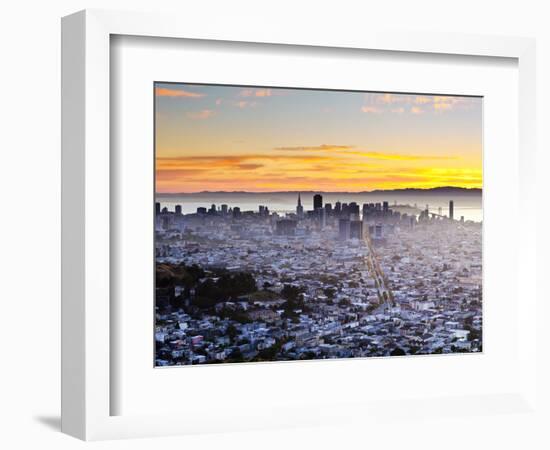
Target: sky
255, 139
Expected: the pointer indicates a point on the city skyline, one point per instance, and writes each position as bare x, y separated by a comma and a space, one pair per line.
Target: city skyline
229, 138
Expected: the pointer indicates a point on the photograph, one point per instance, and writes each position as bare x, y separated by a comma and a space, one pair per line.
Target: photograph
297, 224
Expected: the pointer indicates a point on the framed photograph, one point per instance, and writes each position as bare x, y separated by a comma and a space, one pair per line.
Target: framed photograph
267, 229
272, 245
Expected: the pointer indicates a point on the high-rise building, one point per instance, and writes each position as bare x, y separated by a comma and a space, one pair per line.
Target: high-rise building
321, 217
178, 210
344, 229
353, 210
345, 211
328, 208
317, 201
368, 209
224, 210
236, 211
299, 208
451, 210
285, 227
385, 207
356, 229
337, 208
157, 208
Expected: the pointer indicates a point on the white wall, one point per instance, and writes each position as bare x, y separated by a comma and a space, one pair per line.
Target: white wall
29, 182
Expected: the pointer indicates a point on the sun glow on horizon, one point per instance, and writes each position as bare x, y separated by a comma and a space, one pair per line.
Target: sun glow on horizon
226, 138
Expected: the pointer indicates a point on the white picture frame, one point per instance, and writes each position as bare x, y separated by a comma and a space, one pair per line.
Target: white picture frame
86, 218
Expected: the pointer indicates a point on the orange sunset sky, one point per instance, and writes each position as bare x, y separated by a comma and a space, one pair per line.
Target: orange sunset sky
228, 138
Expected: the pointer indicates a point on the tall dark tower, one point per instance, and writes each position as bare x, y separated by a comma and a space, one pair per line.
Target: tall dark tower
157, 208
299, 207
451, 210
317, 201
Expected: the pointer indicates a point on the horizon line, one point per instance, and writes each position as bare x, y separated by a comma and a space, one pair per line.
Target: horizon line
321, 192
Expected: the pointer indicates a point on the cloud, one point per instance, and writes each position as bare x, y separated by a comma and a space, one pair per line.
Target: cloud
272, 171
389, 99
357, 180
322, 147
371, 109
422, 100
387, 103
351, 150
200, 115
262, 92
415, 104
441, 104
249, 166
400, 156
245, 104
177, 174
176, 93
223, 161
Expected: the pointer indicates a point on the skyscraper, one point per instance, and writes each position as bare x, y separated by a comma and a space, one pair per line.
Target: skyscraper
299, 208
285, 227
353, 209
356, 229
344, 229
317, 201
321, 217
337, 208
451, 210
178, 210
157, 208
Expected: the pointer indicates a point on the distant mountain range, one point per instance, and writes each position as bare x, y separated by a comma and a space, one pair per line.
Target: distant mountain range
444, 190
